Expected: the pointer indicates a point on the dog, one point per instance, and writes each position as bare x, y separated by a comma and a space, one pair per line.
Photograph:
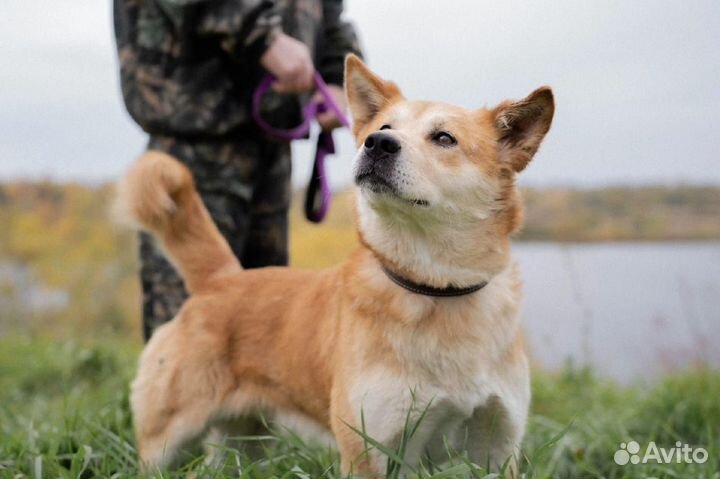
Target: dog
422, 321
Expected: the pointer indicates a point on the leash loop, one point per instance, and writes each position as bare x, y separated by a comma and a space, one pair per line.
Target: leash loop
317, 200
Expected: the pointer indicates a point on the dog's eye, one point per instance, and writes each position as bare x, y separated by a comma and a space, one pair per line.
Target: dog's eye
385, 127
444, 138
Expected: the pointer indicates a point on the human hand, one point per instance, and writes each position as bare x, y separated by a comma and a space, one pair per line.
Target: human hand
328, 120
290, 62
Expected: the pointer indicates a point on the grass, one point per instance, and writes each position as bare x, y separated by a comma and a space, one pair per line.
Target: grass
64, 414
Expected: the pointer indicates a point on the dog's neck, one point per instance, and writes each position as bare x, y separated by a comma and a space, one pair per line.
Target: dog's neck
436, 250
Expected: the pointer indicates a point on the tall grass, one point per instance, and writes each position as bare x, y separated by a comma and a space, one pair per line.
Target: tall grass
64, 414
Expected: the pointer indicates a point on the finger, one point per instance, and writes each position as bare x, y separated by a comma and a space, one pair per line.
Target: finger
306, 78
328, 121
293, 83
280, 87
288, 84
305, 83
296, 87
340, 101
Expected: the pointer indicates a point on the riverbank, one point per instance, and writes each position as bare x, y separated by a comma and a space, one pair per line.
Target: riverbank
57, 239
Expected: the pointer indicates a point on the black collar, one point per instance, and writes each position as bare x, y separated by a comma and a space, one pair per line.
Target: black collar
427, 290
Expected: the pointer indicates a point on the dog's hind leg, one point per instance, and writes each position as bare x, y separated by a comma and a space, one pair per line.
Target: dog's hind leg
160, 440
243, 434
175, 396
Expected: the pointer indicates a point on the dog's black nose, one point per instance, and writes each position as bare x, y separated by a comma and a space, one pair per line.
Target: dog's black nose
381, 144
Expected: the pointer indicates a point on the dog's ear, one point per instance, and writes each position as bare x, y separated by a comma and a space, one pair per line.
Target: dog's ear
366, 92
522, 125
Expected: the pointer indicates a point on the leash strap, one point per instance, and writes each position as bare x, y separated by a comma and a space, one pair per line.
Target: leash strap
317, 200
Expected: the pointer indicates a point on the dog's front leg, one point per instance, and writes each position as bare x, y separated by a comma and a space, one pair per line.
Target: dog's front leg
379, 408
495, 432
355, 457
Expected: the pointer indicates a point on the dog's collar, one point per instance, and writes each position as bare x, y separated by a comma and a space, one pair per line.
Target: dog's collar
427, 290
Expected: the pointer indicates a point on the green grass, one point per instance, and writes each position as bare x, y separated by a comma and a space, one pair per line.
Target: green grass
64, 413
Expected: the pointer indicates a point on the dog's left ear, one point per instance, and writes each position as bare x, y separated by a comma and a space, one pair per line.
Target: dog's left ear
366, 92
522, 125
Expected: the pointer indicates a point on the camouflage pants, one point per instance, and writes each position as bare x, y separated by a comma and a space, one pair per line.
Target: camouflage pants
245, 185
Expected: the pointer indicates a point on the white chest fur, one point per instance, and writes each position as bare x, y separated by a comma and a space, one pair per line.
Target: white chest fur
447, 372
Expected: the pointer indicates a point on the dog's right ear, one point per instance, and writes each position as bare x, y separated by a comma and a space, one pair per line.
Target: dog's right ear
366, 92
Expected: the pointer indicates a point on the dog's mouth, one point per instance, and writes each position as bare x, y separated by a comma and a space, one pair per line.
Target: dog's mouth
380, 185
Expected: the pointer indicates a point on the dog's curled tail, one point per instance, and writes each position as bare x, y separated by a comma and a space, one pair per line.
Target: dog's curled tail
158, 195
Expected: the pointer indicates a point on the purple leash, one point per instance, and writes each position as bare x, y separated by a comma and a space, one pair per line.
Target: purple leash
317, 201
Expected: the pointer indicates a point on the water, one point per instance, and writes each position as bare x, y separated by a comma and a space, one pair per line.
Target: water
632, 311
22, 291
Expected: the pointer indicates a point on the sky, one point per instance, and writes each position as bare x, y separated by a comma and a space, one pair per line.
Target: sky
637, 84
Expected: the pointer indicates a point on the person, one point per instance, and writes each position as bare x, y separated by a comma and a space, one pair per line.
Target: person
188, 69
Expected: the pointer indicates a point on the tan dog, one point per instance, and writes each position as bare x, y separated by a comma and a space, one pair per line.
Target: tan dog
436, 205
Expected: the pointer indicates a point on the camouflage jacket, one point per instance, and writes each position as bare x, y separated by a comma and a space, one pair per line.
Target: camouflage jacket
189, 67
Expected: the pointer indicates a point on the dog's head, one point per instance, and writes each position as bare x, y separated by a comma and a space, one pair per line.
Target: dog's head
430, 171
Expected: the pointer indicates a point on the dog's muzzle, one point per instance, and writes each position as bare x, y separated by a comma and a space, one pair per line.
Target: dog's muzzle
377, 162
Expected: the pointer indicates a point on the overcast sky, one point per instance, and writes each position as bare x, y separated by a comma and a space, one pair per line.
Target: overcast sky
637, 83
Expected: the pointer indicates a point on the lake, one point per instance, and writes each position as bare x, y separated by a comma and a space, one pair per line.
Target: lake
632, 311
